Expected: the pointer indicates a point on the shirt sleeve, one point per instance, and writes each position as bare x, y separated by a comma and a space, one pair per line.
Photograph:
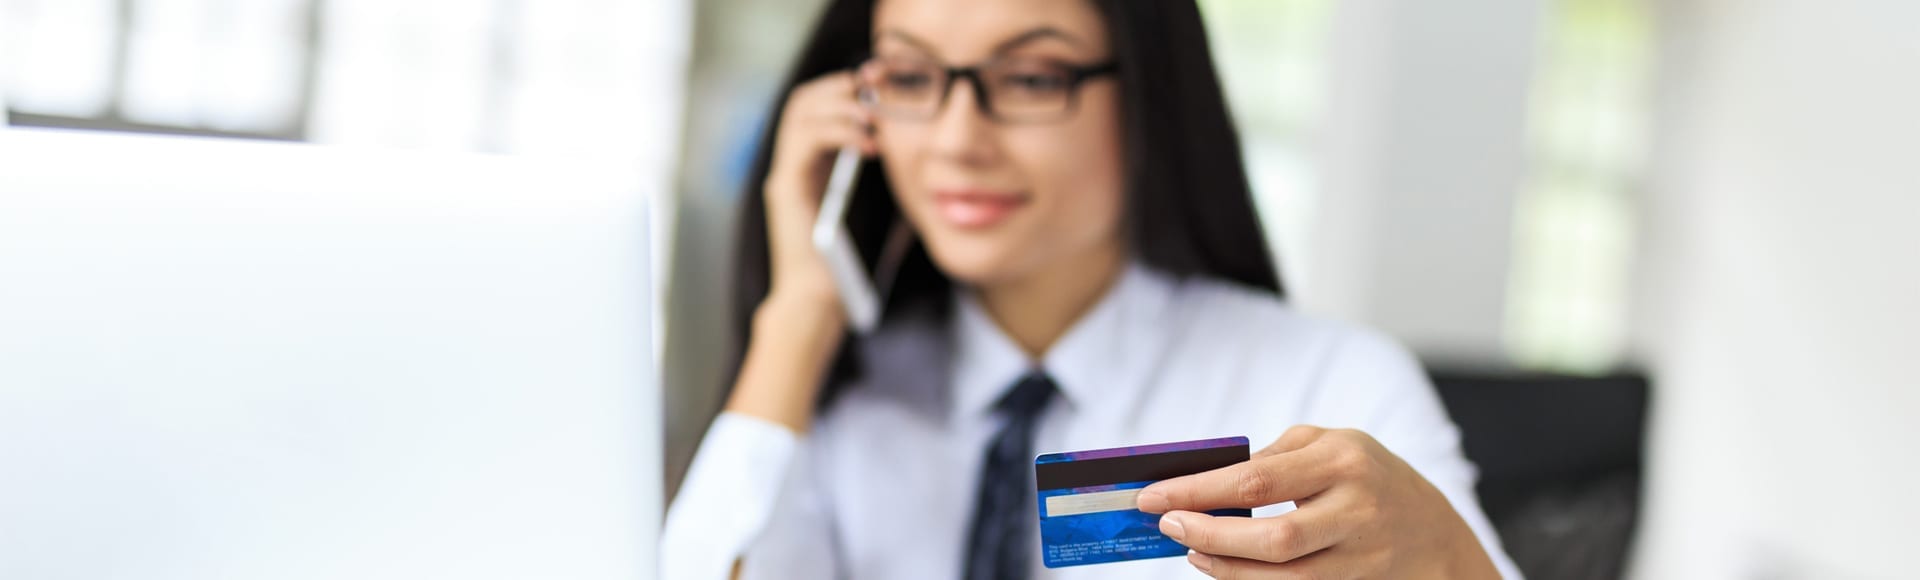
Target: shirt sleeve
1375, 385
750, 497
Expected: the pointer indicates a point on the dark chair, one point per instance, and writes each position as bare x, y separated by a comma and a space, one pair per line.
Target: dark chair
1560, 462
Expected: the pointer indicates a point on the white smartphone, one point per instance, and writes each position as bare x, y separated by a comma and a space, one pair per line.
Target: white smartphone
857, 291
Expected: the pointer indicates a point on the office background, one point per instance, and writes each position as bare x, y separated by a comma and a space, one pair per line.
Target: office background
1715, 200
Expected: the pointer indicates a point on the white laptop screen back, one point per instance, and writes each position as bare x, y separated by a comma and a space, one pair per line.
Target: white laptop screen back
243, 360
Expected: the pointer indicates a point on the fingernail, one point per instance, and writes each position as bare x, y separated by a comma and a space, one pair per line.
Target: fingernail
1172, 527
1201, 561
1152, 502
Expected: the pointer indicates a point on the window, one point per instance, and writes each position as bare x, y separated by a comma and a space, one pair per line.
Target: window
598, 83
595, 77
1271, 56
1570, 282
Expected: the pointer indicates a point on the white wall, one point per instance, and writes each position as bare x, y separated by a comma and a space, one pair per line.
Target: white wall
1424, 152
1782, 272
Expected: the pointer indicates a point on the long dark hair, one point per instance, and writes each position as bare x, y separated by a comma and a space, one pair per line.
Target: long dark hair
1189, 207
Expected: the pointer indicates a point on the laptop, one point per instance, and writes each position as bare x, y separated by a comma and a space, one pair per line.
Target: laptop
247, 360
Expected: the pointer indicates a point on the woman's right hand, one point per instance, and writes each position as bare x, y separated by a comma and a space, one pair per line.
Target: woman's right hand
797, 328
820, 118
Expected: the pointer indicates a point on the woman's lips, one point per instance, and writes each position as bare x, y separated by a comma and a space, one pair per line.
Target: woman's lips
976, 208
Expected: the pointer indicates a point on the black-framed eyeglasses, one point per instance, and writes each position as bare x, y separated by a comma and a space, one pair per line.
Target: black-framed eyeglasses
1008, 90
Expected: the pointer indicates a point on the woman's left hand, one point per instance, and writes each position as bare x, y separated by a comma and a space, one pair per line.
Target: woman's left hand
1361, 513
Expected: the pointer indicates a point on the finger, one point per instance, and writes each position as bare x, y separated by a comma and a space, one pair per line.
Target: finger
842, 83
1276, 539
1297, 437
811, 157
820, 96
869, 73
868, 77
860, 114
830, 136
1320, 565
857, 114
844, 111
1254, 483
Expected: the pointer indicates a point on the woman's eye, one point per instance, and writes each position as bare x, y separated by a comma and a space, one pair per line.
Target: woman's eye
908, 81
1036, 83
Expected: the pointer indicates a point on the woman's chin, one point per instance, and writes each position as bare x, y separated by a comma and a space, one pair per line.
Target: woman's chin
975, 265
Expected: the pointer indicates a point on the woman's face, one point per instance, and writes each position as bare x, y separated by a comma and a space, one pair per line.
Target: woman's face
998, 201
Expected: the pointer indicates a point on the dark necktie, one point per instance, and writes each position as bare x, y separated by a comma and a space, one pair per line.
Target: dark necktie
1000, 542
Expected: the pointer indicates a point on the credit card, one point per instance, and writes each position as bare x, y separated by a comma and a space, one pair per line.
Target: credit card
1086, 498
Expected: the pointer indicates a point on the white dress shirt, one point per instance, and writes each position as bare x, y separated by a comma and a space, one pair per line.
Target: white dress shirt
883, 486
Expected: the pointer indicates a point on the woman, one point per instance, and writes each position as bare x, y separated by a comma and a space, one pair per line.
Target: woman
1089, 273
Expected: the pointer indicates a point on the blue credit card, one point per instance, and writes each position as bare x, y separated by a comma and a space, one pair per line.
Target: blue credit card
1086, 499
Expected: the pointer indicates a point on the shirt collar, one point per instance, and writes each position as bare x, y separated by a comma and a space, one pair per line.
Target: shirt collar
1103, 354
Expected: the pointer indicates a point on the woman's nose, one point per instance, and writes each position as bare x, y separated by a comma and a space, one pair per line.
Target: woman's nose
961, 130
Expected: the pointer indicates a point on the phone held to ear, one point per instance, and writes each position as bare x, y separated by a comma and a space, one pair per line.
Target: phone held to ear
857, 292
